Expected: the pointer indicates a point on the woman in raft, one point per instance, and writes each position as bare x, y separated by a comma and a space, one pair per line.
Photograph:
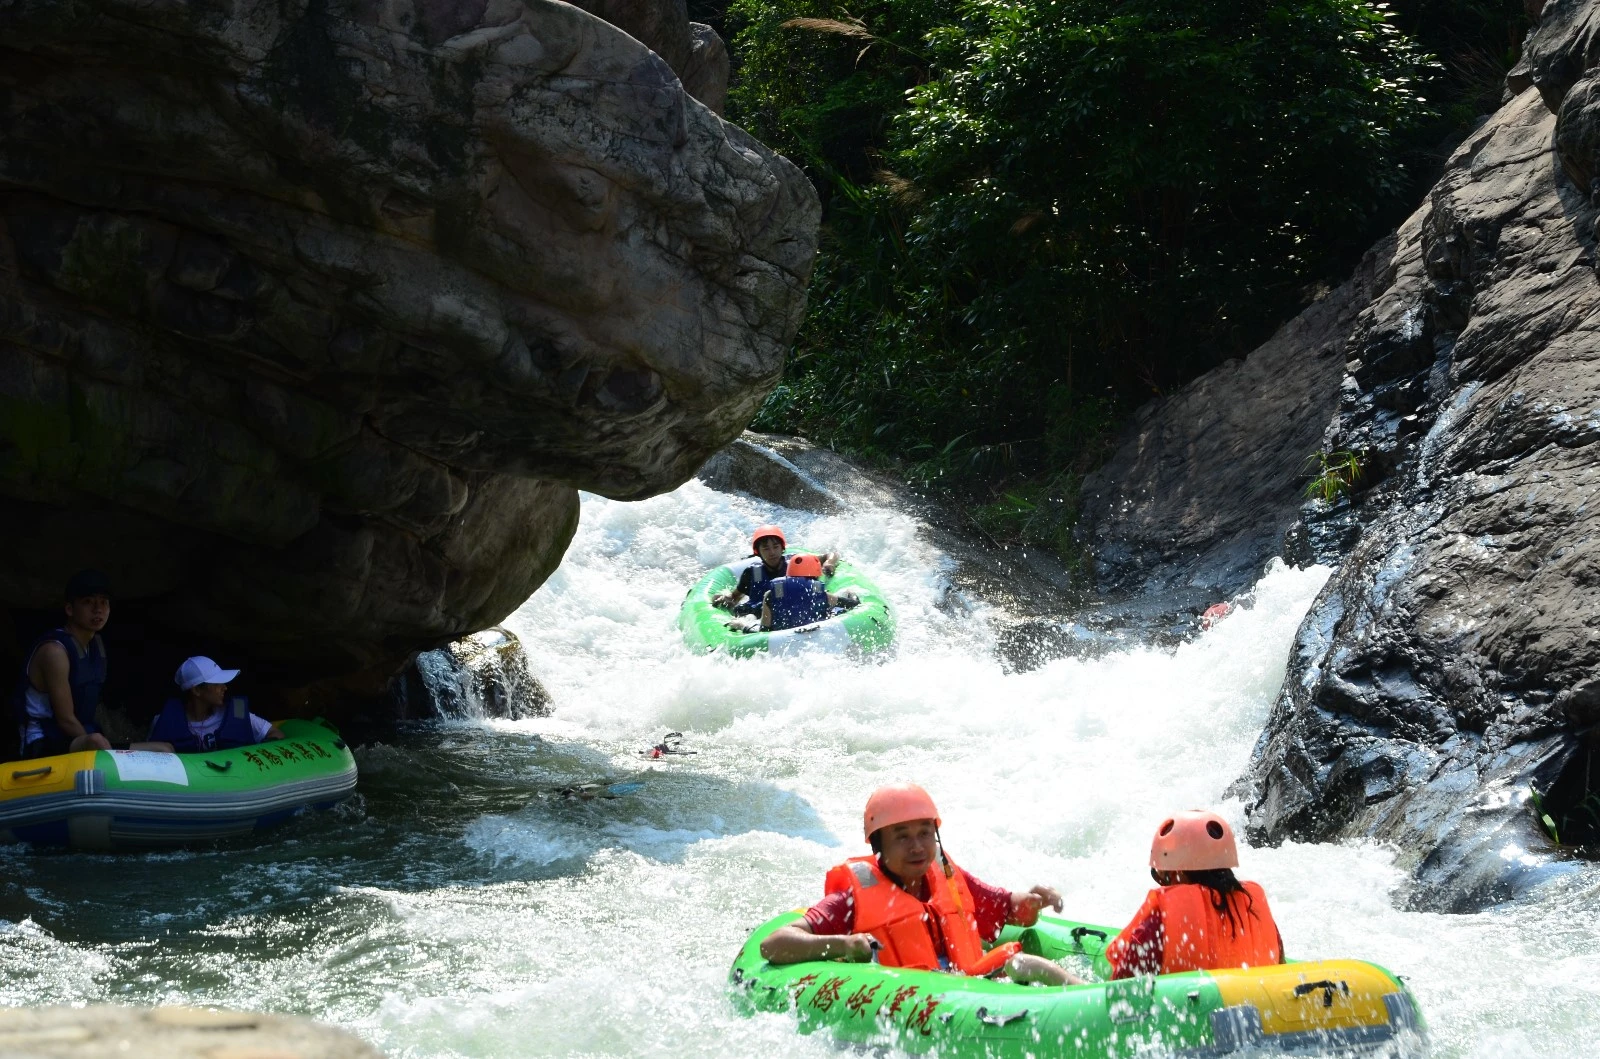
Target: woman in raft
1200, 917
908, 905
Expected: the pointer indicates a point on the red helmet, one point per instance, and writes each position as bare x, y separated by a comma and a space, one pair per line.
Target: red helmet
805, 566
1193, 840
896, 805
766, 531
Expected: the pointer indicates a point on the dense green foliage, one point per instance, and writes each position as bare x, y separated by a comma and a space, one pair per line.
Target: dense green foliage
1476, 42
1041, 213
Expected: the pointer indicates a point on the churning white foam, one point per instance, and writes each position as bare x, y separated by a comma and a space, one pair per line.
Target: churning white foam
545, 925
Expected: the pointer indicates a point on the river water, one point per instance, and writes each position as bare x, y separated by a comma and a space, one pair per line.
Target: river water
460, 905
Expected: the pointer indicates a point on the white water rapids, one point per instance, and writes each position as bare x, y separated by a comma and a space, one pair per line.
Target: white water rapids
458, 908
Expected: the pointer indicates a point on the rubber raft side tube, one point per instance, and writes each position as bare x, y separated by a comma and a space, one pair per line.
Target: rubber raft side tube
1335, 1005
114, 799
867, 628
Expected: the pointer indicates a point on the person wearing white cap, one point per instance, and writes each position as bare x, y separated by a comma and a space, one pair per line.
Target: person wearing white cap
205, 717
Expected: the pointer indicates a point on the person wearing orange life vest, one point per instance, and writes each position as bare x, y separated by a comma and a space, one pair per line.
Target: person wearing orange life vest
1200, 917
908, 905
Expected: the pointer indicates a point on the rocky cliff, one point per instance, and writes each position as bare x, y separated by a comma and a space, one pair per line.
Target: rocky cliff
1442, 693
1203, 485
315, 315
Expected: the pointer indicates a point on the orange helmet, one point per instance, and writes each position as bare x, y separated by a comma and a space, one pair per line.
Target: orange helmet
1193, 840
805, 566
766, 531
897, 804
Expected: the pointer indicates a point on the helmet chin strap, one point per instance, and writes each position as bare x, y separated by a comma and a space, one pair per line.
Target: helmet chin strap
949, 872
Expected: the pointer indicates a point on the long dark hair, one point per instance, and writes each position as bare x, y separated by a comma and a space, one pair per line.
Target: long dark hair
1223, 884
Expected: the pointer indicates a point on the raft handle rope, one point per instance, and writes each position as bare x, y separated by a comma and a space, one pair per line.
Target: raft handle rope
1079, 933
25, 773
222, 767
1328, 988
1000, 1020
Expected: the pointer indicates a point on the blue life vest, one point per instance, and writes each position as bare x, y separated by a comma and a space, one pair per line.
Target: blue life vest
797, 601
759, 582
86, 676
172, 726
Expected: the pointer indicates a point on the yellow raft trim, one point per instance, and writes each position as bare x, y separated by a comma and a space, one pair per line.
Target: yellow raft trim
45, 775
1296, 998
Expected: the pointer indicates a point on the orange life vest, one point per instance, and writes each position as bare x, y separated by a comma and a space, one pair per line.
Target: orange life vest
904, 926
1196, 936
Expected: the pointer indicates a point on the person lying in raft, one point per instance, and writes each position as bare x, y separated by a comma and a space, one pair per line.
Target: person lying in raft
769, 560
798, 597
205, 717
1200, 917
912, 907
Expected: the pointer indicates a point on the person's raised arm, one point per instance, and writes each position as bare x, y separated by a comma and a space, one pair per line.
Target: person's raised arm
830, 563
796, 943
1025, 907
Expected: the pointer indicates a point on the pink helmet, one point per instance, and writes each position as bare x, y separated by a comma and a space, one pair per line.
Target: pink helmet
896, 805
1193, 840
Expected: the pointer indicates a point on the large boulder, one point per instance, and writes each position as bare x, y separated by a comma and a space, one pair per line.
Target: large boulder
1440, 690
1442, 693
314, 315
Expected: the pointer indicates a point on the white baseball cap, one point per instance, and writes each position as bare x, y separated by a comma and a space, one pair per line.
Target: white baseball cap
202, 670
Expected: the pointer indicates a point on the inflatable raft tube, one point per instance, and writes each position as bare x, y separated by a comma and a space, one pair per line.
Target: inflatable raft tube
864, 629
122, 799
1344, 1007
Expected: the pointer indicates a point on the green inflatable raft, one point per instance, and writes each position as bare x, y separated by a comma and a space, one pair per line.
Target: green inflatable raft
1343, 1007
865, 629
135, 799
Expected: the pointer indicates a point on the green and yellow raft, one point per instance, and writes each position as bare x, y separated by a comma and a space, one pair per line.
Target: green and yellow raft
122, 799
865, 629
1346, 1007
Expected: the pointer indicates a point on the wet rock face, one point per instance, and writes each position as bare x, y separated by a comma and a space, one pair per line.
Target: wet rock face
1451, 663
754, 464
482, 675
1204, 484
314, 316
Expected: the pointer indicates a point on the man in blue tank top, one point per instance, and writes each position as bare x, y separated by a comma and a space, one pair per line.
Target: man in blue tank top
205, 717
61, 679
